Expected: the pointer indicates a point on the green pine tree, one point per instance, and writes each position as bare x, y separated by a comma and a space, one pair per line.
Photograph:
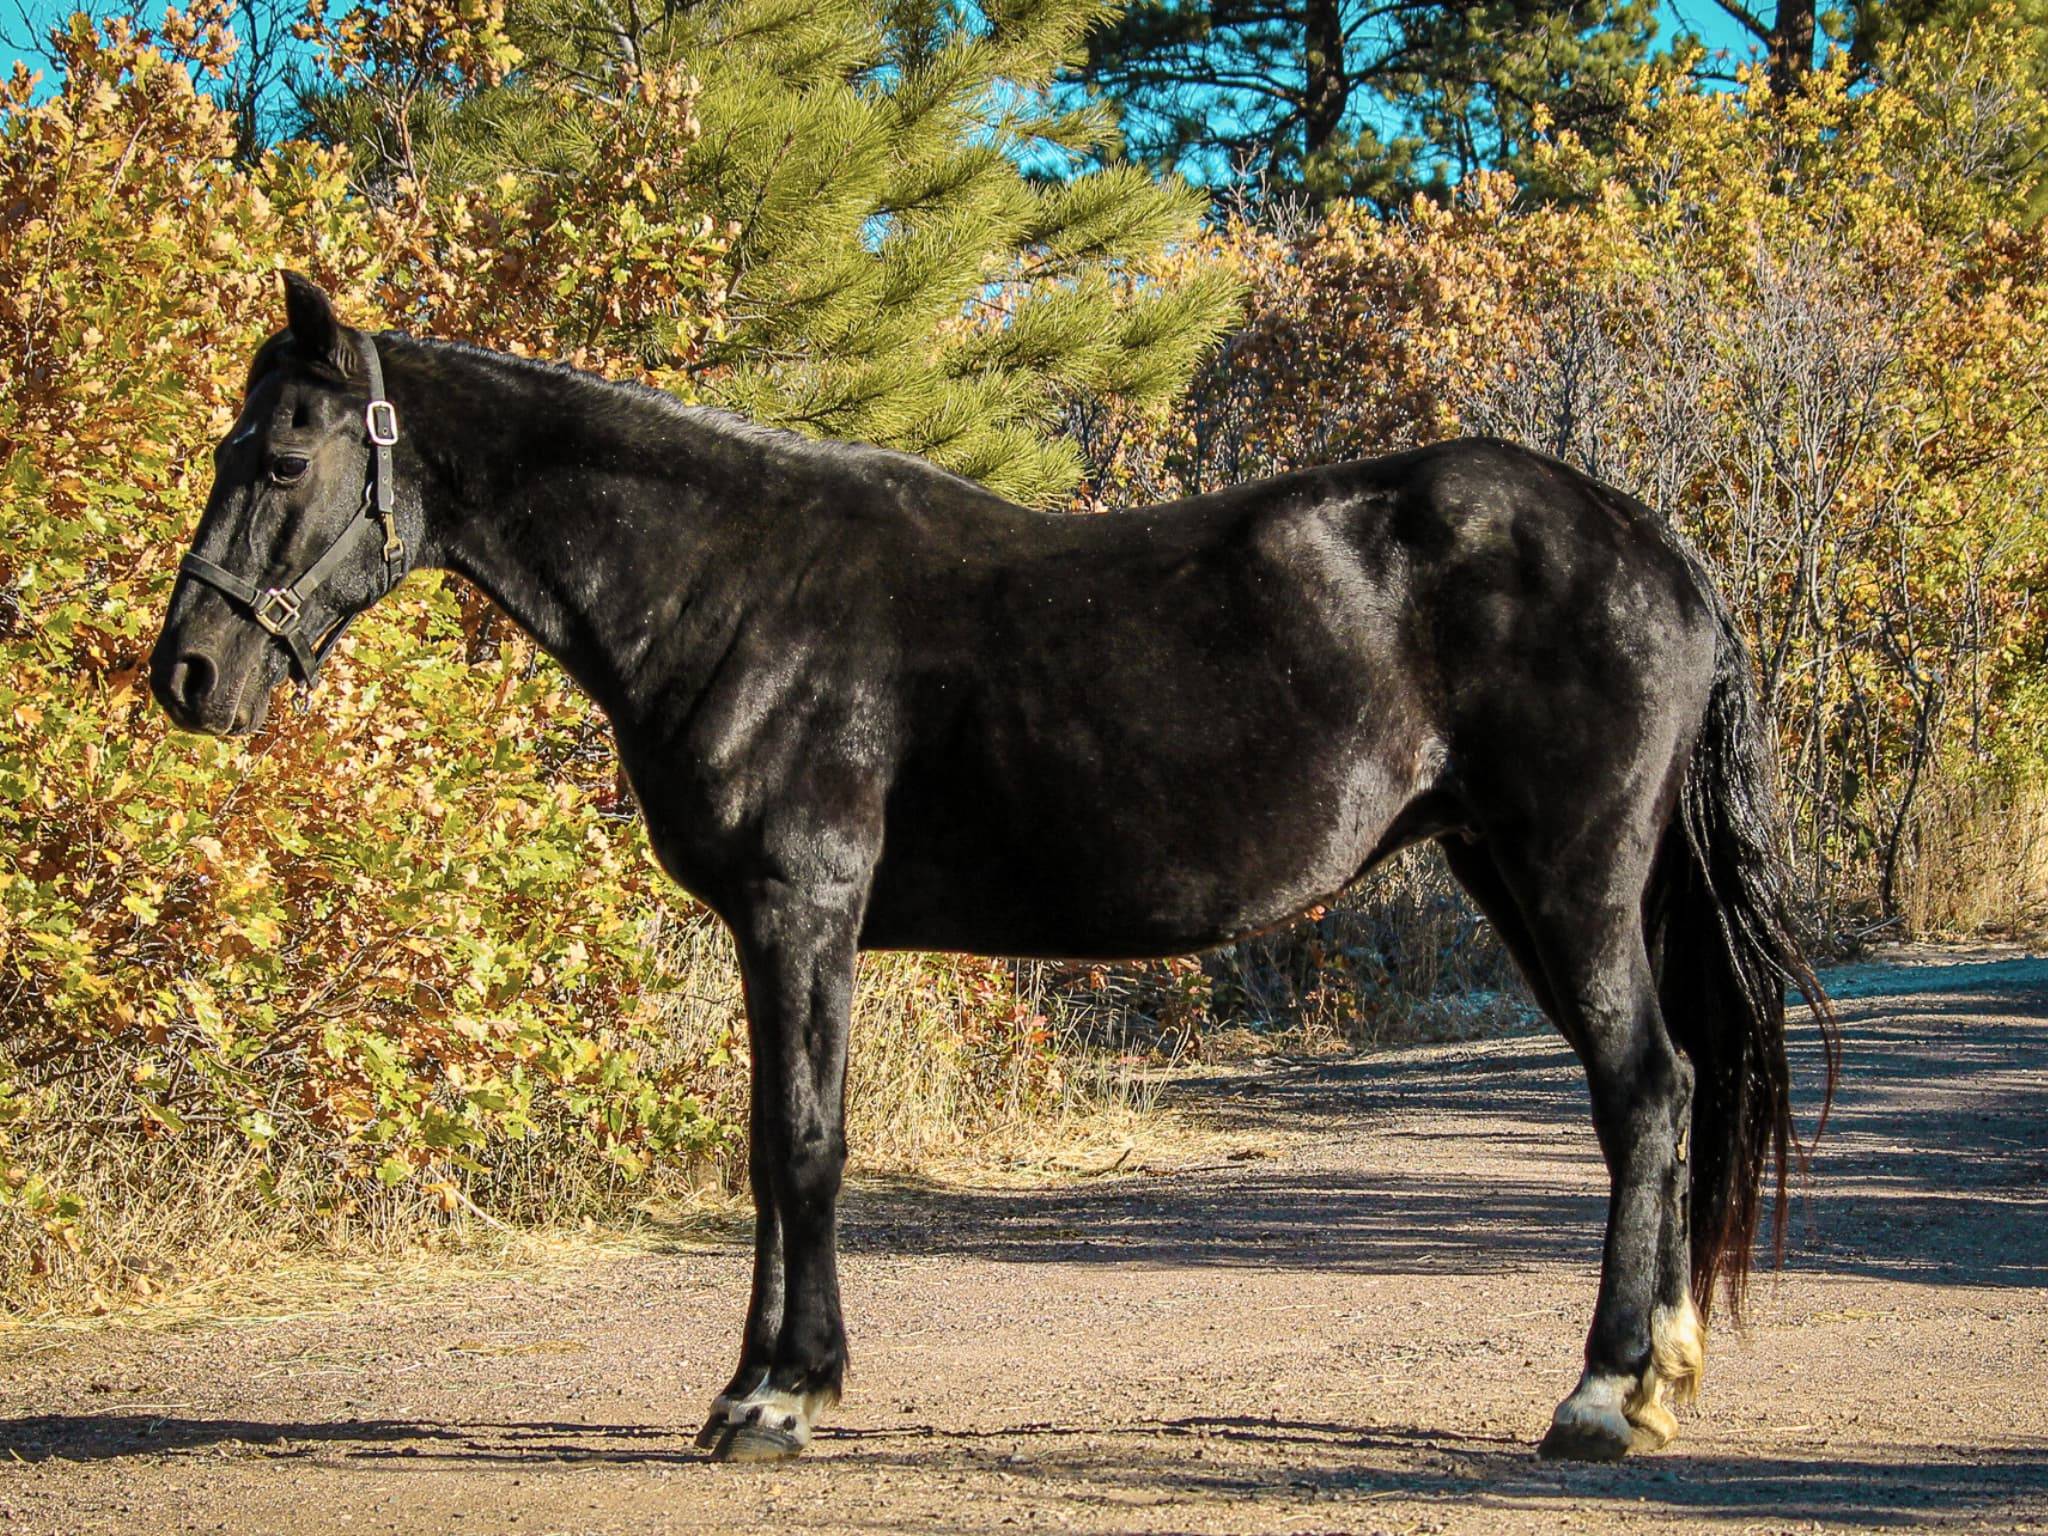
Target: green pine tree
1357, 98
929, 251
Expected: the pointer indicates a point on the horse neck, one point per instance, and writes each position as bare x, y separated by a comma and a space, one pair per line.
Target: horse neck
596, 519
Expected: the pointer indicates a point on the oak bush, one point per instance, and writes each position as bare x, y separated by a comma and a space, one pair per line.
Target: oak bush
403, 949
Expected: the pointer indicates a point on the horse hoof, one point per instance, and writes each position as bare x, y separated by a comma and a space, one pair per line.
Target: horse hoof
755, 1442
1585, 1442
766, 1425
1589, 1425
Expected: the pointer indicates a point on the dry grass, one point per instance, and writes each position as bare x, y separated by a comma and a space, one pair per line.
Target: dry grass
950, 1059
959, 1071
167, 1226
1977, 859
1402, 958
289, 1285
952, 1071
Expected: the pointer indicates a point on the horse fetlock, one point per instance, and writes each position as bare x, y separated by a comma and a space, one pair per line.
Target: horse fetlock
1677, 1355
1652, 1425
768, 1424
1678, 1349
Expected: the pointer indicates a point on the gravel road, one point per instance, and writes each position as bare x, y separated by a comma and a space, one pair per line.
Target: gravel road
1365, 1331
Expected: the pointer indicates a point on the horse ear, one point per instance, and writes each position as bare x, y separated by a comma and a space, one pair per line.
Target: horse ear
319, 333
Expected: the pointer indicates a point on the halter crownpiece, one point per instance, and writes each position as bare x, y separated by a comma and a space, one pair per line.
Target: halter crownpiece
281, 610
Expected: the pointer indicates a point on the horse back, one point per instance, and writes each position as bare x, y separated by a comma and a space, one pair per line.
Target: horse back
1158, 730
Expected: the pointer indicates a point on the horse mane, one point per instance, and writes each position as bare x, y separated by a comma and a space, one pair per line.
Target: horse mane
629, 398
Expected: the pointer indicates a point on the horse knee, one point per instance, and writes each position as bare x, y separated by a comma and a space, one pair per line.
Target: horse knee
811, 1170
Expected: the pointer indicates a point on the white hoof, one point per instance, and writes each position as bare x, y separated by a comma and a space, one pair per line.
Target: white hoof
765, 1425
1590, 1425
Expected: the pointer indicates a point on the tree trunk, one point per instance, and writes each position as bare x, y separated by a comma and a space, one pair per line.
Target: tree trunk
1326, 86
1791, 43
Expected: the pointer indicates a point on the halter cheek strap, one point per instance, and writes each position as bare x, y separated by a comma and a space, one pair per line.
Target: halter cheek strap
281, 610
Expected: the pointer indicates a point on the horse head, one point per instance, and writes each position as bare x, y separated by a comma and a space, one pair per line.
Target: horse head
301, 531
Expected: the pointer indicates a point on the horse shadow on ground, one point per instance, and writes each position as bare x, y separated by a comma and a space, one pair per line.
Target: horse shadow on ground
1933, 1168
1188, 1457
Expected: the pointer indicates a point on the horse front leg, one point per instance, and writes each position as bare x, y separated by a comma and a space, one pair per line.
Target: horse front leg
764, 1305
797, 957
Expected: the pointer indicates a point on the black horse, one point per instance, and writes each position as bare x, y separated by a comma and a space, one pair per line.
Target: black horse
867, 704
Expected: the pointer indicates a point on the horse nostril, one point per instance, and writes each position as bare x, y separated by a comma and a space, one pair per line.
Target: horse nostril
191, 680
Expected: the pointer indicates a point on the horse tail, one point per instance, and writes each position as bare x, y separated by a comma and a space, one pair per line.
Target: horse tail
1726, 940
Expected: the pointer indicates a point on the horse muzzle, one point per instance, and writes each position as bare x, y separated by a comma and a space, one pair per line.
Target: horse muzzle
203, 690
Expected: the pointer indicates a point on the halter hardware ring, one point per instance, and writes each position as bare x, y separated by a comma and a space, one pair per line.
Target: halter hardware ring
381, 418
286, 602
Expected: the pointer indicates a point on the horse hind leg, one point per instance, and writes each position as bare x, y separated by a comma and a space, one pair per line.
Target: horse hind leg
1588, 965
1678, 1333
1640, 1344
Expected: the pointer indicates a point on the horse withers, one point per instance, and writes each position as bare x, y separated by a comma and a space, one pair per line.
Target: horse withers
867, 704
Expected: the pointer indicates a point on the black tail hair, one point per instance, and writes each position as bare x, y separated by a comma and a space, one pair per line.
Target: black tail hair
1728, 945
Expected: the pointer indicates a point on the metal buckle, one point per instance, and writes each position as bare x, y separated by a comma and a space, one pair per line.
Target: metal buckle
286, 602
381, 417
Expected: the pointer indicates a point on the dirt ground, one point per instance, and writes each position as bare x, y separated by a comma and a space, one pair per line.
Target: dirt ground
1364, 1332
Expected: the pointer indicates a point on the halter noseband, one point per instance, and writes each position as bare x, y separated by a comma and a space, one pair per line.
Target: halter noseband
281, 610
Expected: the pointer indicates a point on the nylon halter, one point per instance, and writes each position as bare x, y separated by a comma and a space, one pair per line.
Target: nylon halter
282, 610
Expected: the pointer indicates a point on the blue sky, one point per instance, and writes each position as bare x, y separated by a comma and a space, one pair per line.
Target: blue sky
1701, 16
1706, 19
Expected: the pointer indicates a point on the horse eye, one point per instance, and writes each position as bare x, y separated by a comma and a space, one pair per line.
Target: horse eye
287, 468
